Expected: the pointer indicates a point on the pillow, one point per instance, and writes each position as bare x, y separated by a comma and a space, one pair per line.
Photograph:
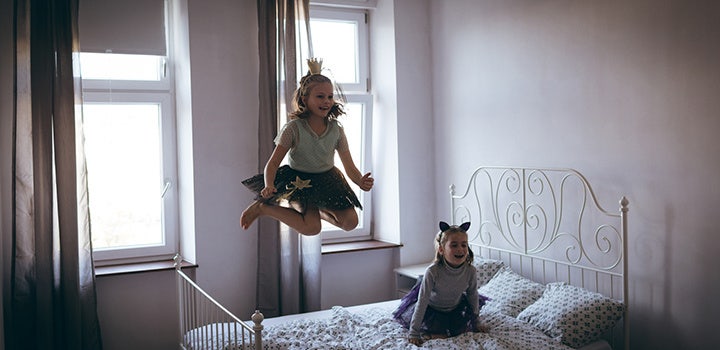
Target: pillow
486, 269
509, 292
573, 315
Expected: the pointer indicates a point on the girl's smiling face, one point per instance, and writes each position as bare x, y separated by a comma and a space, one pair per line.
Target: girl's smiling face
455, 249
320, 99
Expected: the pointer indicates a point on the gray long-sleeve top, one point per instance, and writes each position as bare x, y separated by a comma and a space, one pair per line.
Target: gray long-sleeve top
442, 288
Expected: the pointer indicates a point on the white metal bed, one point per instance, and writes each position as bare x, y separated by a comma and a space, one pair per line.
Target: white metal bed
545, 223
206, 324
548, 225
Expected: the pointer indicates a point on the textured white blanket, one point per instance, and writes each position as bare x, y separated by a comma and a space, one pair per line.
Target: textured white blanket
374, 328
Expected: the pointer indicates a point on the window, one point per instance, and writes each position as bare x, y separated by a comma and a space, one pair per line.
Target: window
128, 126
129, 134
340, 38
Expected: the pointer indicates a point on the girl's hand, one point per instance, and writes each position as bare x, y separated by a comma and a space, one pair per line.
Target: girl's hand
366, 182
415, 341
268, 191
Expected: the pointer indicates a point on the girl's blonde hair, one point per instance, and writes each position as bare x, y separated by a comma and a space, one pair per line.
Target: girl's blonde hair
306, 84
442, 237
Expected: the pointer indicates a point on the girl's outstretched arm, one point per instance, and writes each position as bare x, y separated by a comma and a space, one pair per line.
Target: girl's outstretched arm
271, 168
365, 182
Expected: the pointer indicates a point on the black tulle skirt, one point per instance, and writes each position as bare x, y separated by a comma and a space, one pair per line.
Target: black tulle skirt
328, 190
452, 323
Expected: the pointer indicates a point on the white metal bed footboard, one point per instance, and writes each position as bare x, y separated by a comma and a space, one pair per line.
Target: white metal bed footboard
548, 225
205, 324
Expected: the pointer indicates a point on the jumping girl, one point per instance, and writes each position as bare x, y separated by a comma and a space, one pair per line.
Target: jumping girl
310, 183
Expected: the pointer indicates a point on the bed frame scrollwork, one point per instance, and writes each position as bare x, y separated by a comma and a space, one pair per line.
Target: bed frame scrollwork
548, 224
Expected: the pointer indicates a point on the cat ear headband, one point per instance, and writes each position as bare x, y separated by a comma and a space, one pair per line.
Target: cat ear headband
444, 226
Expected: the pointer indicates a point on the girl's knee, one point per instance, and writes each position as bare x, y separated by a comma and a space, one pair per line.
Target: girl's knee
311, 229
349, 222
346, 219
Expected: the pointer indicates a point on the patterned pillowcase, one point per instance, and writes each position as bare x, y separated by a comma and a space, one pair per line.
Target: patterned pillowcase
486, 269
573, 315
510, 292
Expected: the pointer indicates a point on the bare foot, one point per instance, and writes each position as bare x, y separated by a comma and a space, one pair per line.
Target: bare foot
250, 214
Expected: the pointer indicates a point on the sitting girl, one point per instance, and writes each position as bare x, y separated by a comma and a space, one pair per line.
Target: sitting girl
446, 302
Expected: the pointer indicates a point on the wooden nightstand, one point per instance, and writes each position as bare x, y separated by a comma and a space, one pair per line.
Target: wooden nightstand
406, 276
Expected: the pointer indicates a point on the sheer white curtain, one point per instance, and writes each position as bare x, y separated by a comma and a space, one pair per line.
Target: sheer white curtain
289, 263
50, 300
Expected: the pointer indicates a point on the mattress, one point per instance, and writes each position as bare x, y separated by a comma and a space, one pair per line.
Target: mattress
371, 326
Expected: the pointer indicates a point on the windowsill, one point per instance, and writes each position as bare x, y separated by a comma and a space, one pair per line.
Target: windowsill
121, 269
335, 248
332, 248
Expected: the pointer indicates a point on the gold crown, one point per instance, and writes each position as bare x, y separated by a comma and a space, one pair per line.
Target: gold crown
315, 65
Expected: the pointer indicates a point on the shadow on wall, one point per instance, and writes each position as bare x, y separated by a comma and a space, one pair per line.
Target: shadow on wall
650, 289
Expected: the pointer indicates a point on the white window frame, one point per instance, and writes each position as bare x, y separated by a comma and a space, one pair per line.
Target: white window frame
363, 230
357, 92
360, 17
144, 92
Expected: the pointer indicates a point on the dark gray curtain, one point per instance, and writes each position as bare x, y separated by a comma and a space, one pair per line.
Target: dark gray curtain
52, 288
288, 263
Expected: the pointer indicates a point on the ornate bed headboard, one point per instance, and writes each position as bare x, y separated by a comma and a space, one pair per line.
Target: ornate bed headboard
548, 225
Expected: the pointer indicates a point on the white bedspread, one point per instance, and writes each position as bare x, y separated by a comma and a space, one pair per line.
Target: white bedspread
371, 326
374, 328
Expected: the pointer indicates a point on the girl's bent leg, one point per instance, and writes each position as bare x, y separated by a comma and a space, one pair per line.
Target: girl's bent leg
307, 224
346, 219
303, 220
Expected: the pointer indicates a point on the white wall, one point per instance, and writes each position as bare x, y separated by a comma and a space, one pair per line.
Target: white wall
403, 128
138, 311
386, 197
624, 91
416, 136
358, 277
223, 55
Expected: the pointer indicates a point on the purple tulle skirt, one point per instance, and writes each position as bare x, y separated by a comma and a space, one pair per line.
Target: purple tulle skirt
328, 190
452, 323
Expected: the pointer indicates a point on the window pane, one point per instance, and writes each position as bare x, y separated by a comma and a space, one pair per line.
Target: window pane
352, 123
336, 42
106, 66
122, 144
